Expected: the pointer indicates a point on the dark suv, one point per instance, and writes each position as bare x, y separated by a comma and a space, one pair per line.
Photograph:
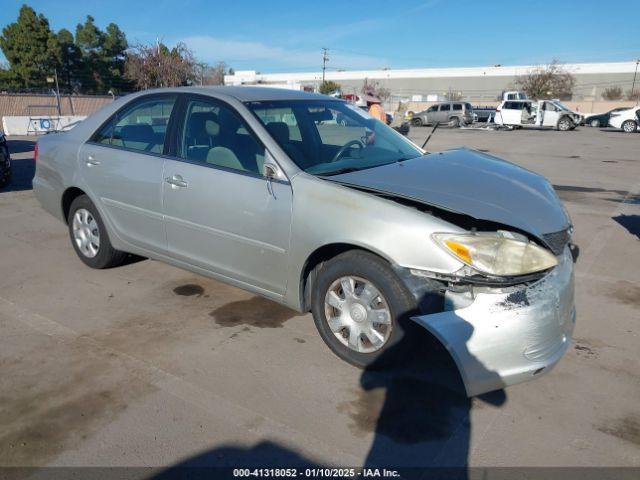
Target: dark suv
5, 162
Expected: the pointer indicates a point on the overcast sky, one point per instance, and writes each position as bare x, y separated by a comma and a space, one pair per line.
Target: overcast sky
287, 35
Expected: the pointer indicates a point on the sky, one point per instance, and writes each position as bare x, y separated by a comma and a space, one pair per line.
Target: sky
288, 35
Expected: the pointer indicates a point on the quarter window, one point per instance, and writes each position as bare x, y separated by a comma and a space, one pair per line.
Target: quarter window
215, 135
140, 126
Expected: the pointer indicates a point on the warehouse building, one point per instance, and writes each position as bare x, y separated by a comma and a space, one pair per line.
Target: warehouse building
478, 84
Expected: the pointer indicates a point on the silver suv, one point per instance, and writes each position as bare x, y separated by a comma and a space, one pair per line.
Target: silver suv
453, 114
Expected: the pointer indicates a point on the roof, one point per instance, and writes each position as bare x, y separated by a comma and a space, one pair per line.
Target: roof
255, 94
486, 71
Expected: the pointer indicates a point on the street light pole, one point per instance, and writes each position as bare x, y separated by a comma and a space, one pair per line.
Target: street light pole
633, 85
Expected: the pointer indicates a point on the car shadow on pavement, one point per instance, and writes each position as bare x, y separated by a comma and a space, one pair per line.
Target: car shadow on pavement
630, 222
22, 169
20, 146
412, 401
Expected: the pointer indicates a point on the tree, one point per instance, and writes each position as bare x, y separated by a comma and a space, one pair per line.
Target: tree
634, 96
210, 75
612, 93
151, 66
328, 87
375, 89
31, 48
547, 81
103, 56
70, 61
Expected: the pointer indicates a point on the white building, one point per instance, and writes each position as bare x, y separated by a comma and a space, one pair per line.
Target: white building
474, 83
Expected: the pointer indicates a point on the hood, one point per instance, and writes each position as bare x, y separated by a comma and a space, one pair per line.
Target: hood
471, 183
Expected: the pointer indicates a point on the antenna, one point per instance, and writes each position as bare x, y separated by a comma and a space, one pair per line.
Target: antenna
429, 137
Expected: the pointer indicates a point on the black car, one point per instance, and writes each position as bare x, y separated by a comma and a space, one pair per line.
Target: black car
5, 162
602, 119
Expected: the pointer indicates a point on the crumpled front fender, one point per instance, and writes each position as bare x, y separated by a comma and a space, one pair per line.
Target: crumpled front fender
509, 337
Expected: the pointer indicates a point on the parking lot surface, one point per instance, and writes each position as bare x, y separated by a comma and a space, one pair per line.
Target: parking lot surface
149, 365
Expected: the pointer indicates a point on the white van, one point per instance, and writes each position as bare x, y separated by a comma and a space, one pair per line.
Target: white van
541, 113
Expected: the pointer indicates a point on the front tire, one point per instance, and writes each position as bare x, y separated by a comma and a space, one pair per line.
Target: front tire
417, 122
565, 124
89, 236
361, 308
629, 126
595, 123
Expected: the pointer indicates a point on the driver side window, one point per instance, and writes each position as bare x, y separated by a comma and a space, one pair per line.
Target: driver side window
213, 134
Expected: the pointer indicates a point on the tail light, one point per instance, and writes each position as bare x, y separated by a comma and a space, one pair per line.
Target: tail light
35, 152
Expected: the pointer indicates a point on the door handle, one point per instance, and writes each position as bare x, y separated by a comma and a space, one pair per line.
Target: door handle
176, 182
92, 161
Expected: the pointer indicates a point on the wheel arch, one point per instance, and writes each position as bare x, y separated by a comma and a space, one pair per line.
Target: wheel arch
69, 195
317, 257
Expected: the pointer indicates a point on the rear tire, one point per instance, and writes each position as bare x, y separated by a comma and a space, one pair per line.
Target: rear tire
356, 314
594, 123
89, 235
629, 126
454, 122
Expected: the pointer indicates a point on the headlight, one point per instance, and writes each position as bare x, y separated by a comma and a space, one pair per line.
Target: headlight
496, 255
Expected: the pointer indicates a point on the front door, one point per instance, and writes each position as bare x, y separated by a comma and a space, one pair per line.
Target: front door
122, 165
220, 214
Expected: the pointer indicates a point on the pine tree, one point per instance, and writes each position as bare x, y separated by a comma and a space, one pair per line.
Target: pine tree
31, 48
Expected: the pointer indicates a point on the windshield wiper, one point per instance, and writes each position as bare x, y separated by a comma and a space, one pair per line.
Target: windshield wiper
340, 170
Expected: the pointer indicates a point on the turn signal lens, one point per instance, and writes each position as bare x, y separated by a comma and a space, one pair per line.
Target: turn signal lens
496, 255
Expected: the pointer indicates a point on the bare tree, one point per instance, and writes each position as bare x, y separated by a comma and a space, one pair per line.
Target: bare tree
612, 93
151, 66
211, 74
375, 89
635, 95
547, 81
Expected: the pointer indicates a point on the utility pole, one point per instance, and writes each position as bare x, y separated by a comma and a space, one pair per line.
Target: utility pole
633, 85
57, 90
325, 59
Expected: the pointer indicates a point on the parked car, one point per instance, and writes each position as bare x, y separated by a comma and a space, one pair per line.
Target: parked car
452, 113
263, 189
628, 120
541, 113
601, 119
5, 162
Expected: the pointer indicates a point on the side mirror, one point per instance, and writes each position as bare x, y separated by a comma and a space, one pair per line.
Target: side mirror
271, 170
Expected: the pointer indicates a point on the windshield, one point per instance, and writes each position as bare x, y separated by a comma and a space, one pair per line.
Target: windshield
561, 106
331, 137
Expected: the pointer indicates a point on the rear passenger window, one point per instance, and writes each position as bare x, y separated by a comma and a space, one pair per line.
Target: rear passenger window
457, 106
213, 134
445, 108
140, 126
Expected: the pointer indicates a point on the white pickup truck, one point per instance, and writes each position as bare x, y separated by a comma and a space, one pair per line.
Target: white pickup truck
541, 113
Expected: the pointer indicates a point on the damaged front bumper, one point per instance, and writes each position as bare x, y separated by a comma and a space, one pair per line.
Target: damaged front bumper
505, 337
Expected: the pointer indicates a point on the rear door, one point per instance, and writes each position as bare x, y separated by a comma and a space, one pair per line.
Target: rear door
221, 214
511, 112
122, 164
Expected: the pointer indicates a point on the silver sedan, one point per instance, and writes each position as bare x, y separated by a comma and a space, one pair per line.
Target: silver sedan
275, 192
